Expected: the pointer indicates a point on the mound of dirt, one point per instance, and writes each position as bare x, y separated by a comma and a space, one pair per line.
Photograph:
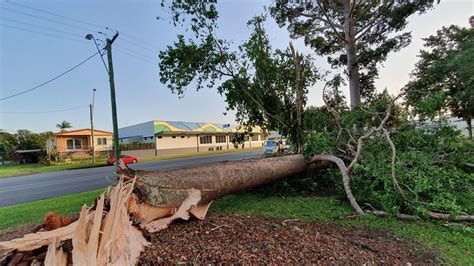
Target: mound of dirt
240, 239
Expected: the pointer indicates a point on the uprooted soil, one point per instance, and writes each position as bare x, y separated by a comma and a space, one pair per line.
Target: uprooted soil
240, 239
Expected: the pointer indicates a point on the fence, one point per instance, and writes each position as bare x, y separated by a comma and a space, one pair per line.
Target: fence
137, 146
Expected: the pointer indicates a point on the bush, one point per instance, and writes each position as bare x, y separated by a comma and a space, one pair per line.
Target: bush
430, 168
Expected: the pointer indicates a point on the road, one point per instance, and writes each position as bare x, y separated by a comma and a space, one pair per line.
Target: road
20, 189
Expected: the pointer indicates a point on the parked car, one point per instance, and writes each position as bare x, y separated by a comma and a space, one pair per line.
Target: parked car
273, 146
126, 159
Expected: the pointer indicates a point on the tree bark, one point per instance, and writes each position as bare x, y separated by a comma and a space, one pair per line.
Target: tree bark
299, 97
346, 180
351, 53
469, 127
170, 188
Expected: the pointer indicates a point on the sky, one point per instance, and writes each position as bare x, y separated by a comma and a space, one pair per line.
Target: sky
29, 58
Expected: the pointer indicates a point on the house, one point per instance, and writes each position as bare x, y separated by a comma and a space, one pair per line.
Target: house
174, 137
77, 143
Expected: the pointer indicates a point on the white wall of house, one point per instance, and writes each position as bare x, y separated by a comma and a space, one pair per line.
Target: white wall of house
175, 142
99, 144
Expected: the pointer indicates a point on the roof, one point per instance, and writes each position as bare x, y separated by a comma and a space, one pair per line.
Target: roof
183, 127
83, 132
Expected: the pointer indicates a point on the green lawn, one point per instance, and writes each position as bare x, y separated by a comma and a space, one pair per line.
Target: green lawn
453, 242
33, 212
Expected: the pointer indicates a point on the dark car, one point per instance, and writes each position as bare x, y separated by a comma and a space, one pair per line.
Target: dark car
126, 159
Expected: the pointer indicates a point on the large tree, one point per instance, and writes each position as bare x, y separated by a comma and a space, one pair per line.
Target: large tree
443, 78
266, 87
352, 33
8, 144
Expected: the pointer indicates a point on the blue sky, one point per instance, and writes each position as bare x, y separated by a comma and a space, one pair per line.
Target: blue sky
28, 59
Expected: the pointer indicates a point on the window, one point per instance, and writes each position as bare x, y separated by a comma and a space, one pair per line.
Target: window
182, 137
254, 137
210, 149
219, 148
205, 139
246, 138
101, 141
160, 137
221, 139
74, 144
173, 137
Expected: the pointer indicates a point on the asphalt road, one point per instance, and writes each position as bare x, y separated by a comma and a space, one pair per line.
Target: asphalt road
20, 189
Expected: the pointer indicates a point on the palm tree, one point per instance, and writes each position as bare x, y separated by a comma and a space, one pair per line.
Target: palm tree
64, 125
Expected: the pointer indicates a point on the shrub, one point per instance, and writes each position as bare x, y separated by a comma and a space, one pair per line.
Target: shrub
430, 168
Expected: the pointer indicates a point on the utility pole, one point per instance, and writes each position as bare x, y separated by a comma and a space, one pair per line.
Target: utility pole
110, 72
108, 48
91, 110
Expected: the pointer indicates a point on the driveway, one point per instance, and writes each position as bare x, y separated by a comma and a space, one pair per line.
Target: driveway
20, 189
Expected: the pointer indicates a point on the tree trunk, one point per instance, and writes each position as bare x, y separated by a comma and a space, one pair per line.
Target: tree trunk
170, 188
469, 127
351, 53
299, 97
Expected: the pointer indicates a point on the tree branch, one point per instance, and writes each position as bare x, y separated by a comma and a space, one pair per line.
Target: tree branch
370, 24
345, 178
333, 25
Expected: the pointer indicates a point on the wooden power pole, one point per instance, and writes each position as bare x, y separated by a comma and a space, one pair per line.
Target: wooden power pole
91, 111
108, 48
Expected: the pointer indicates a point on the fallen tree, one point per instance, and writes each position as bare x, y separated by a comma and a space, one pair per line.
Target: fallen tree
175, 192
104, 234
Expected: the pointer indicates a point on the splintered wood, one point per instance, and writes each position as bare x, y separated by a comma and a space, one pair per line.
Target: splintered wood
99, 237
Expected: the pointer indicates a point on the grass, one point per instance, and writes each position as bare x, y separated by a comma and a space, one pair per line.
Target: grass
26, 169
33, 212
453, 242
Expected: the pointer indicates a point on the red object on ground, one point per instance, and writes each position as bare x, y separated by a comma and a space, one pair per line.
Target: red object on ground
125, 159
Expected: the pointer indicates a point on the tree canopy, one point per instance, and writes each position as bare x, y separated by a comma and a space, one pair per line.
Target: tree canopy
355, 34
259, 83
442, 79
63, 125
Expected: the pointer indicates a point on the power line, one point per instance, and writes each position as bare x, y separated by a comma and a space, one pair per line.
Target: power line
47, 19
136, 57
52, 79
43, 33
85, 23
41, 27
54, 14
50, 111
141, 46
132, 51
147, 43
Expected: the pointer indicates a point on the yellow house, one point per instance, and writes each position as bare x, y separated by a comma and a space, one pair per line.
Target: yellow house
176, 137
77, 143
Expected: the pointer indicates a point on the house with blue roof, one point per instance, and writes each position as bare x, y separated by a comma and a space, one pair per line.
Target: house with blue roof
176, 137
